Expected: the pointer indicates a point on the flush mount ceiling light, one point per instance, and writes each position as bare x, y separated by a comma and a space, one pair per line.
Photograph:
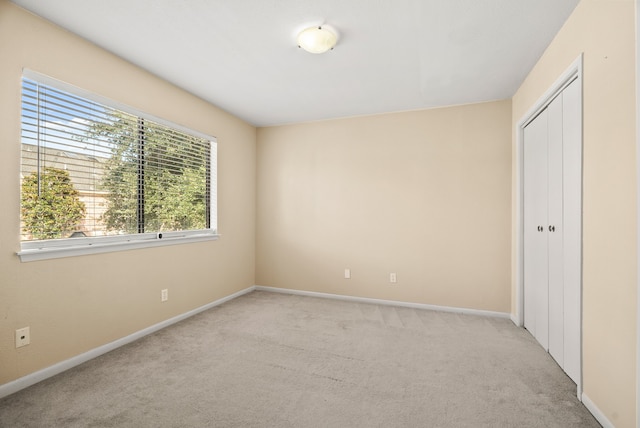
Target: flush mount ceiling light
317, 40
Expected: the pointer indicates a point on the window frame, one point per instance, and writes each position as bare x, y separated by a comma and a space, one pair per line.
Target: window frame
69, 247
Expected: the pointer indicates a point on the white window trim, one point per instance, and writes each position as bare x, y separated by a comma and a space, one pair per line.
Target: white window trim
56, 249
70, 247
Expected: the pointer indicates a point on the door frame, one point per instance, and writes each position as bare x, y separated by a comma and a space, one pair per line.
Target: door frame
572, 73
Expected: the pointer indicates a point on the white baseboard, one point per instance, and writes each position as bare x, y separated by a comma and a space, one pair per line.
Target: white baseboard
595, 411
385, 302
40, 375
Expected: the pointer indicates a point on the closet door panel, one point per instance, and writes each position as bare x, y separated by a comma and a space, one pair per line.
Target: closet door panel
552, 218
535, 236
572, 231
554, 229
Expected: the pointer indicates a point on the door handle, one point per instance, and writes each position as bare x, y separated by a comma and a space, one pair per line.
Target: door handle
552, 228
540, 228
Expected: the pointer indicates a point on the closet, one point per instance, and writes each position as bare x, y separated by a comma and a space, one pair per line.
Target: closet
552, 221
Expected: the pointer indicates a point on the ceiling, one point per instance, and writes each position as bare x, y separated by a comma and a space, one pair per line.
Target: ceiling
241, 55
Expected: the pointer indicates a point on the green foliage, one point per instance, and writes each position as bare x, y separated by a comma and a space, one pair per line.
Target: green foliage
56, 211
174, 198
121, 178
176, 201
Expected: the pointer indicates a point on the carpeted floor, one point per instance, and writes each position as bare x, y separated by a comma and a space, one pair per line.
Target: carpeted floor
276, 360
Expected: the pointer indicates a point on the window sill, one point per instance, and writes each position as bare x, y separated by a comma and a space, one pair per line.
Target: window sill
83, 249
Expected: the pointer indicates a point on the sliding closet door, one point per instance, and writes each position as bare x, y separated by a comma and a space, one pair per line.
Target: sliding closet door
536, 297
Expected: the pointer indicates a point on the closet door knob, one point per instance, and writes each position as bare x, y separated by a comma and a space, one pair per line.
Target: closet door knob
540, 228
552, 228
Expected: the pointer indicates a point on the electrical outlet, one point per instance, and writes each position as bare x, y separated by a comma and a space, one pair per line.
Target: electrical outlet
393, 278
164, 295
347, 273
23, 337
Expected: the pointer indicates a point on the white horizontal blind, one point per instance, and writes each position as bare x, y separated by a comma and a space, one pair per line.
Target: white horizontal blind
91, 170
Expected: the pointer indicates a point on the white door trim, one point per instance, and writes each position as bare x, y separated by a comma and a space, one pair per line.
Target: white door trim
574, 72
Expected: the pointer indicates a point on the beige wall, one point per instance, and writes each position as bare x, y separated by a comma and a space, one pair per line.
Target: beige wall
425, 194
605, 31
76, 304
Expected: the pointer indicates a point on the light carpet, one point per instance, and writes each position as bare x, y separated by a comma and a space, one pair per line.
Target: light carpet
276, 360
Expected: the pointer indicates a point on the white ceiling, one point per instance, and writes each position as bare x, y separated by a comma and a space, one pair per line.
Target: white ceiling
392, 55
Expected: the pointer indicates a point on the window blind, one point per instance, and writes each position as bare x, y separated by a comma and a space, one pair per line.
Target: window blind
92, 170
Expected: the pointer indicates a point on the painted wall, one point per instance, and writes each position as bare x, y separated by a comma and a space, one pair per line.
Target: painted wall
76, 304
424, 194
605, 31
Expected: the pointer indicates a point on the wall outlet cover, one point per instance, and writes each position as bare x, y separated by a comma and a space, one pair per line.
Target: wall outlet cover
23, 337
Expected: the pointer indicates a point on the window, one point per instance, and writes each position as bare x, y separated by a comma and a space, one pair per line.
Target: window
97, 177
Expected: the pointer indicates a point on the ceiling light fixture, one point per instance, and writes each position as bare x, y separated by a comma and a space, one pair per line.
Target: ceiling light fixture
317, 40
